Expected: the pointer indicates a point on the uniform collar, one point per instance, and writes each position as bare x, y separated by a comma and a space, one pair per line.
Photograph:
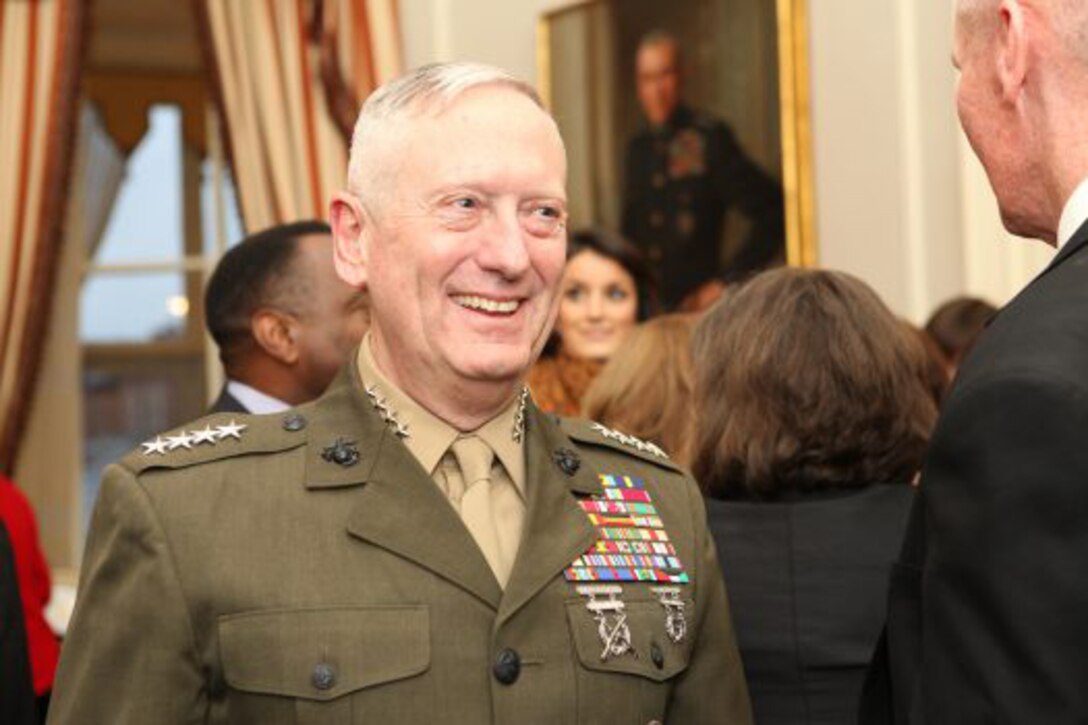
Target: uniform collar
428, 436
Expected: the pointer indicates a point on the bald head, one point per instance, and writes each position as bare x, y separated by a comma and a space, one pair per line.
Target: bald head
1067, 20
1021, 99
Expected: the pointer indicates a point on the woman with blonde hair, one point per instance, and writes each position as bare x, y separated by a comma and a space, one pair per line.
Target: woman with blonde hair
645, 389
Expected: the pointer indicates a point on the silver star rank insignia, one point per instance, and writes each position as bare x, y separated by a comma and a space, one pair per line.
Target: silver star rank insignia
157, 446
207, 435
230, 430
181, 440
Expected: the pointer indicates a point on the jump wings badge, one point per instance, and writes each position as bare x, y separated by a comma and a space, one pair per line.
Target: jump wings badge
611, 618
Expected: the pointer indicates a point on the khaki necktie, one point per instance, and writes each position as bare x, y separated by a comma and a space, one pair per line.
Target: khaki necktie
474, 458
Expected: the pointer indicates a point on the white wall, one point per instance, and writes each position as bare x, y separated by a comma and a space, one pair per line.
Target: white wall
502, 32
900, 200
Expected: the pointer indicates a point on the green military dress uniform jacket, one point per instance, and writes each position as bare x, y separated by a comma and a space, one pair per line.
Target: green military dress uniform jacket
268, 575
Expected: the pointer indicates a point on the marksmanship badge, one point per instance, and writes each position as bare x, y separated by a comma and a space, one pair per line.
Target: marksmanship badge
611, 618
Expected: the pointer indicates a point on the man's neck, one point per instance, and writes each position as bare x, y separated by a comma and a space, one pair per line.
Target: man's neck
676, 116
1063, 141
465, 406
1074, 213
270, 378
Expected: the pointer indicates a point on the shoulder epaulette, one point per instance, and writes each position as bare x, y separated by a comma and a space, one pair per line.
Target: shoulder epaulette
585, 431
215, 437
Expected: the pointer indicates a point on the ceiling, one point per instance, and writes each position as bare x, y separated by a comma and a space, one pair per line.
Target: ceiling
143, 36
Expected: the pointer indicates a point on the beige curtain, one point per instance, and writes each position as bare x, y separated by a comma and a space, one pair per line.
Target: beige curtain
40, 52
99, 171
281, 69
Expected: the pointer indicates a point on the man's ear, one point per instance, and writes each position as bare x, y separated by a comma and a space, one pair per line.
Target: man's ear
1012, 43
275, 332
351, 228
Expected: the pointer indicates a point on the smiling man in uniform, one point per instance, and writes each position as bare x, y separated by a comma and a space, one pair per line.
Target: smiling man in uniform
421, 544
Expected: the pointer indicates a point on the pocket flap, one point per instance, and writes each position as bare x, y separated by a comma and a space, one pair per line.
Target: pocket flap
653, 654
326, 652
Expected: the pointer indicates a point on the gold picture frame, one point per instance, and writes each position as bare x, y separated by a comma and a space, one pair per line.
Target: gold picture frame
791, 28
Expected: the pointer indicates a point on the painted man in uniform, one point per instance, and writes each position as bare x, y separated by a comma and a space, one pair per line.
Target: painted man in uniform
682, 174
421, 544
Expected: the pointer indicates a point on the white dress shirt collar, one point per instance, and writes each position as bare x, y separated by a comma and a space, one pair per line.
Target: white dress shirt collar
254, 400
1074, 214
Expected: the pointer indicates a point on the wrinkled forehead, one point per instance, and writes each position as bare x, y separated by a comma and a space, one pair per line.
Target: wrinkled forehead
426, 126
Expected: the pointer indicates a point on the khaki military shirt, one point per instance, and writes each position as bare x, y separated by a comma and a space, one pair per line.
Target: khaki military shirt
304, 568
428, 438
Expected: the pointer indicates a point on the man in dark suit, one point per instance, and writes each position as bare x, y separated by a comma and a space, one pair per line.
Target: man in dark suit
682, 174
987, 610
284, 322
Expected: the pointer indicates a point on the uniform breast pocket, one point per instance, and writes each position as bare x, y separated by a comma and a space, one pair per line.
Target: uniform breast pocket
329, 665
630, 683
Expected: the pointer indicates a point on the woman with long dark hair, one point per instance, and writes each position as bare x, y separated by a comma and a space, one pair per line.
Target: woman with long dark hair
606, 290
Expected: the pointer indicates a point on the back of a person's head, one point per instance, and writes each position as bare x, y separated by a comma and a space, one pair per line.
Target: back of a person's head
937, 376
957, 324
255, 273
645, 389
805, 380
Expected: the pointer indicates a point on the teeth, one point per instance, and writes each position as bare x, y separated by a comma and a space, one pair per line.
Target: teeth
473, 302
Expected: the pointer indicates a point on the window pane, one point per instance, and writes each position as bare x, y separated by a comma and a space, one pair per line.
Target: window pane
128, 400
133, 307
146, 221
234, 228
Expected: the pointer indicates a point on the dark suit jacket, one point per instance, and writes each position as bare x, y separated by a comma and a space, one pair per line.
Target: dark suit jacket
227, 403
17, 706
807, 589
987, 618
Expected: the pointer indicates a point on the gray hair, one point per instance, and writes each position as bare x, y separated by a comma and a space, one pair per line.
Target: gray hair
428, 89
